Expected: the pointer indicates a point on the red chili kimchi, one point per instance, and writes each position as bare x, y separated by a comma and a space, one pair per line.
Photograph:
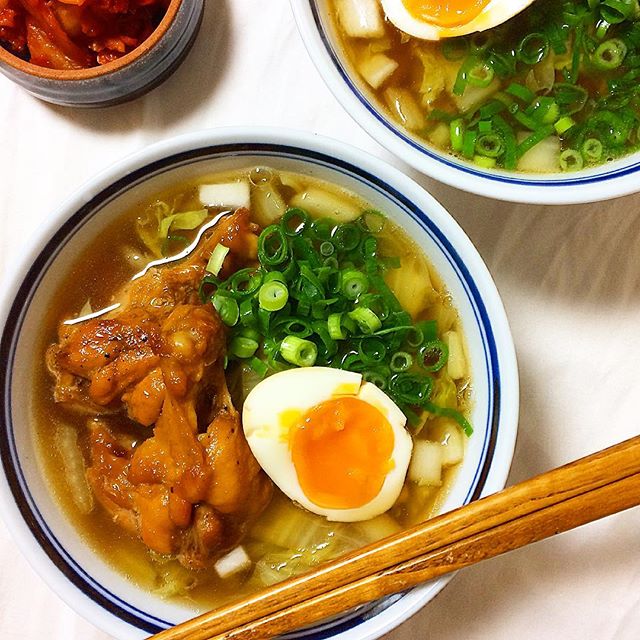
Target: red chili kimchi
76, 34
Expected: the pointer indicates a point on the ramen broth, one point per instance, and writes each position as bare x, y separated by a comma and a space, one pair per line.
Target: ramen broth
285, 539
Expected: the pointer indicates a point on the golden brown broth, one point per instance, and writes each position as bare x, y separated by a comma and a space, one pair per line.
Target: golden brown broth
400, 48
96, 276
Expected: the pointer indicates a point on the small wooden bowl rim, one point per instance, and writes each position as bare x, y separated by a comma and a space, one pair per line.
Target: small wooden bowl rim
91, 73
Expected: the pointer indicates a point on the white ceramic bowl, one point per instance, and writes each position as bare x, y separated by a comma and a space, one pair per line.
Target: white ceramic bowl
608, 181
41, 529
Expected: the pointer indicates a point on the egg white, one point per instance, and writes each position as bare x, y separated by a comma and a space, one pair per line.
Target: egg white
495, 13
293, 393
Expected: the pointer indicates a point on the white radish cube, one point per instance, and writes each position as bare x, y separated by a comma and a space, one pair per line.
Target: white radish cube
234, 562
378, 528
377, 69
228, 194
361, 18
452, 441
425, 468
325, 204
544, 157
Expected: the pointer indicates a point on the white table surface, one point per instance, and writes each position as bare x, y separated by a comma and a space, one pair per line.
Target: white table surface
569, 278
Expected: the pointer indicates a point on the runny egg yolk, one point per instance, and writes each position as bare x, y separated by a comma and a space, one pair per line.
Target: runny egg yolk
446, 13
342, 451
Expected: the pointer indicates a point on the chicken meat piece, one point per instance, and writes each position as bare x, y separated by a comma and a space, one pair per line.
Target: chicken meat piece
99, 361
192, 487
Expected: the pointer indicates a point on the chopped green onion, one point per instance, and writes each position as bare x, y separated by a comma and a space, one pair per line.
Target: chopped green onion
366, 319
533, 49
374, 377
428, 329
491, 109
372, 221
259, 366
510, 158
504, 64
617, 11
302, 353
299, 307
571, 160
456, 128
520, 91
462, 78
274, 275
469, 143
217, 259
354, 284
570, 98
335, 328
411, 388
455, 49
370, 248
485, 162
244, 283
294, 221
400, 361
227, 308
564, 124
592, 150
273, 247
434, 355
273, 295
327, 249
446, 412
242, 347
490, 145
480, 75
535, 138
482, 40
544, 110
254, 334
525, 120
610, 54
247, 314
372, 350
602, 28
323, 228
346, 236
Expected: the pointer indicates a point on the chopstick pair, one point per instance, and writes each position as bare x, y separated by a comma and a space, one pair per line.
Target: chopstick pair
583, 491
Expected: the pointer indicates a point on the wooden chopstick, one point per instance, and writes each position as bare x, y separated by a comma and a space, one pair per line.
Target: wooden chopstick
588, 489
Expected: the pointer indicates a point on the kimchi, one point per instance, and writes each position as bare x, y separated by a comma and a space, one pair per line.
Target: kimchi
77, 34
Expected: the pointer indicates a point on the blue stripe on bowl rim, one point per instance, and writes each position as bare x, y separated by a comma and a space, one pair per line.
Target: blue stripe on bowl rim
450, 161
25, 502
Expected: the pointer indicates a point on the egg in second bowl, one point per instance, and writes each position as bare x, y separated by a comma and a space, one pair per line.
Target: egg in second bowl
437, 19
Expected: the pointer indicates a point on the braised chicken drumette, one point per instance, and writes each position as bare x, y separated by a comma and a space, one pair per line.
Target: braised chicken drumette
189, 486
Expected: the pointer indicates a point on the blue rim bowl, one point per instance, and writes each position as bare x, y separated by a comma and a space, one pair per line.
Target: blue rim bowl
41, 529
608, 181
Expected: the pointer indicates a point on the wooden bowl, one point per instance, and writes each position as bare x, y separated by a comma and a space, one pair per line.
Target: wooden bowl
123, 79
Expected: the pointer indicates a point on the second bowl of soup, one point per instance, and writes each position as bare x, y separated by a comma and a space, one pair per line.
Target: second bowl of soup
197, 334
528, 101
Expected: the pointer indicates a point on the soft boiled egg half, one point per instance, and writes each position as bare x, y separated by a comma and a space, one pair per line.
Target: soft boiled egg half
437, 19
334, 444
